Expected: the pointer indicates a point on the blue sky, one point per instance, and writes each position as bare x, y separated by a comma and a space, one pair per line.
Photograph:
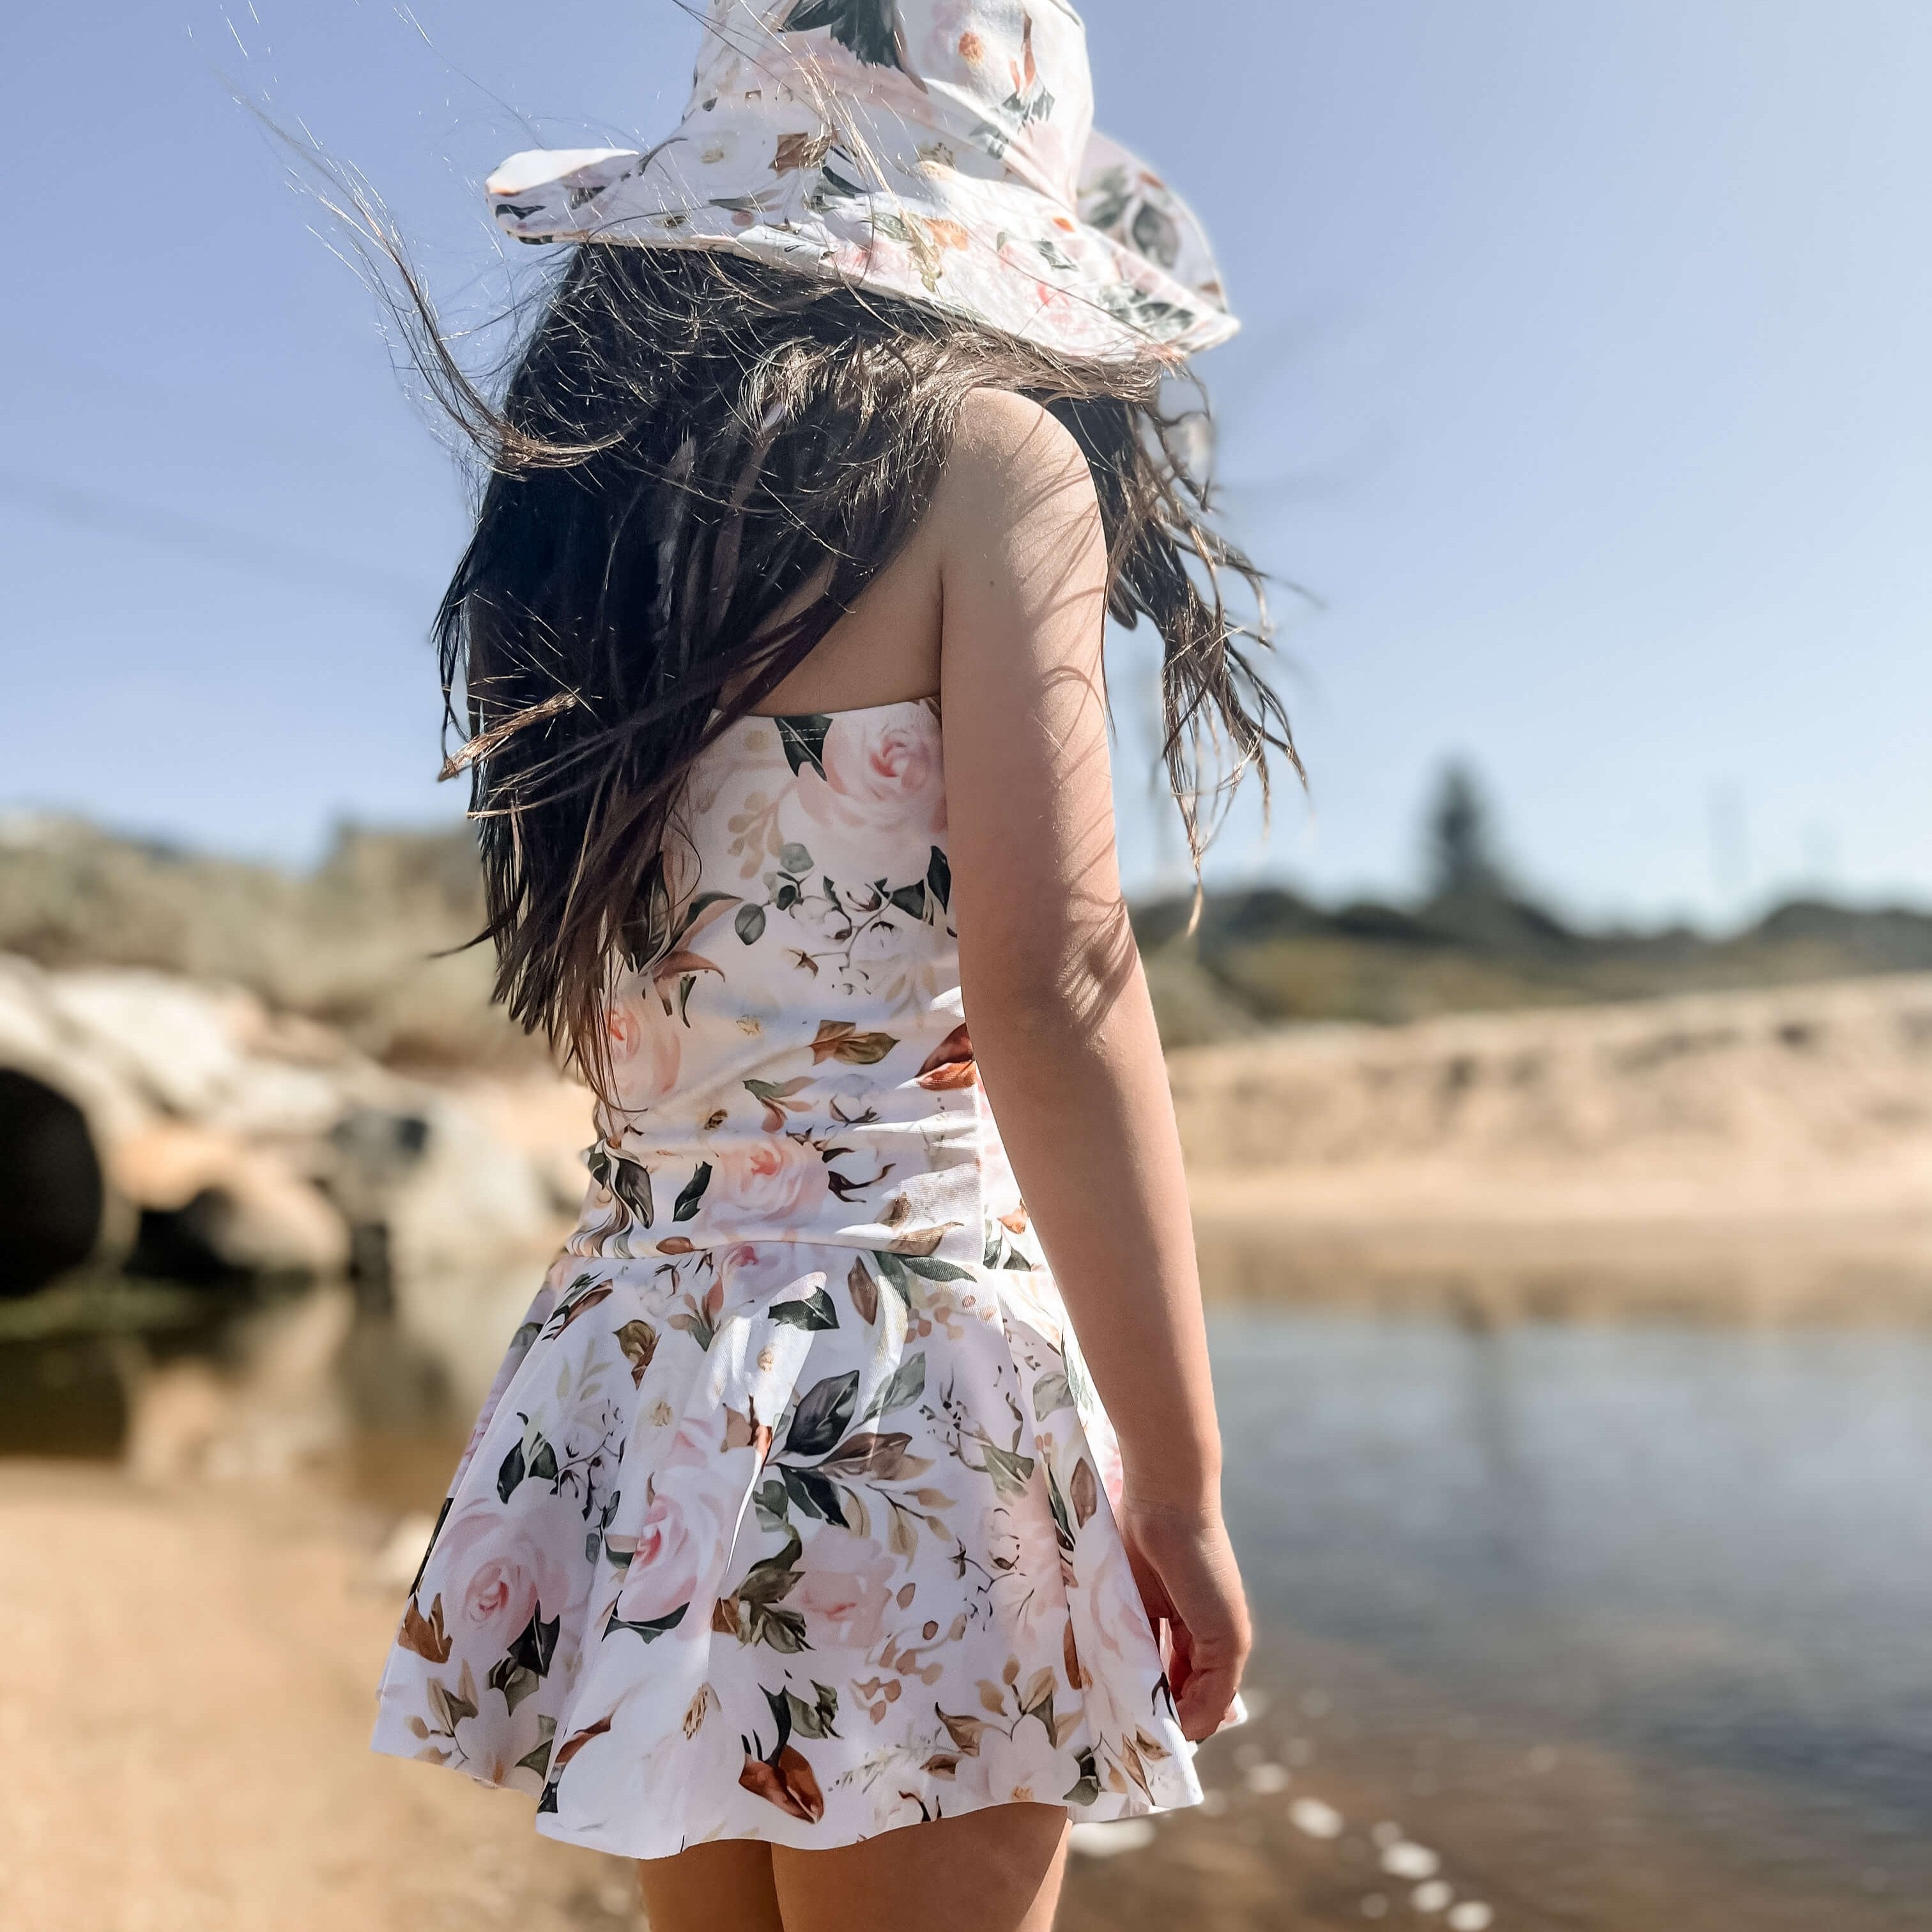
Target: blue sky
1585, 383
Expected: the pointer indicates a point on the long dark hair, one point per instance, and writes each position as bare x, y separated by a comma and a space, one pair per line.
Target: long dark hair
696, 465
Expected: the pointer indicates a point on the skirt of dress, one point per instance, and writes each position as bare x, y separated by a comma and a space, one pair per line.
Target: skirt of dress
788, 1542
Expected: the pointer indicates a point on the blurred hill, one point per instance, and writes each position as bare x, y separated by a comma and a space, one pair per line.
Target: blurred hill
1477, 942
354, 943
363, 942
1266, 957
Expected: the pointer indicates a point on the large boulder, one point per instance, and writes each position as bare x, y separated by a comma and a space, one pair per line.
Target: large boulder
51, 1190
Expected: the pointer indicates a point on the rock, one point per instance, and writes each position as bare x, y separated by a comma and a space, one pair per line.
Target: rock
253, 1211
1109, 1838
51, 1190
1404, 1858
1316, 1820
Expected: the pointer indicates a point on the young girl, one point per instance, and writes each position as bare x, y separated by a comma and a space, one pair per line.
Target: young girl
794, 1553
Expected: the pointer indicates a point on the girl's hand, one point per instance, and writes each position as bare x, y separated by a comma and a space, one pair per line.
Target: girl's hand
1184, 1566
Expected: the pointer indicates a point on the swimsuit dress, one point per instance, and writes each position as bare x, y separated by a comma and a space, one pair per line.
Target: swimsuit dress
790, 1515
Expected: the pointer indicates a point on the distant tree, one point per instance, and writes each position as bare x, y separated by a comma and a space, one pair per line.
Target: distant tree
1461, 846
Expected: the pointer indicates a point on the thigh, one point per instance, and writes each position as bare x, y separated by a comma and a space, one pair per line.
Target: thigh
725, 1887
994, 1870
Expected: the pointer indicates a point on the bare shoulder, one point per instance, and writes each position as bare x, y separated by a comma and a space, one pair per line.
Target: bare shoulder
1014, 470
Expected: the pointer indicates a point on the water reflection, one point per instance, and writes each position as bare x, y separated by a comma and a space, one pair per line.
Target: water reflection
1638, 1614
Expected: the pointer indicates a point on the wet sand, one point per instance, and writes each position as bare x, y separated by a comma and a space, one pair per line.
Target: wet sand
190, 1682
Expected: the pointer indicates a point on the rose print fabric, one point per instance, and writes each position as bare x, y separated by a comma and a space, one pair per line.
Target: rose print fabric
943, 150
790, 1515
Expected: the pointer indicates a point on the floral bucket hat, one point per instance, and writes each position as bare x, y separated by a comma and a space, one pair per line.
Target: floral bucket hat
941, 150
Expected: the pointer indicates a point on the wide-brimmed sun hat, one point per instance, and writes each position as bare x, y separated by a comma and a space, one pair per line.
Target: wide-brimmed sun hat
940, 150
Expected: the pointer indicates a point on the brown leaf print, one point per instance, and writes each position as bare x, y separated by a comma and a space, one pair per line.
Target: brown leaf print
883, 1457
1072, 1657
747, 1432
787, 1783
841, 1040
677, 1244
949, 1064
1084, 1490
864, 1290
800, 151
923, 1241
572, 1745
639, 1341
425, 1636
964, 1731
724, 1616
701, 1706
585, 1302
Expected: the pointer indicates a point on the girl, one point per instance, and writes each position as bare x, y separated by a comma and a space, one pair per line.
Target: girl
794, 1553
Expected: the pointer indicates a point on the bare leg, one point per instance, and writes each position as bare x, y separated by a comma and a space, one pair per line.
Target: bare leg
994, 1870
725, 1887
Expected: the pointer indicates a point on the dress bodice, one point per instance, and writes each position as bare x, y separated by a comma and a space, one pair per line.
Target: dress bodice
796, 1065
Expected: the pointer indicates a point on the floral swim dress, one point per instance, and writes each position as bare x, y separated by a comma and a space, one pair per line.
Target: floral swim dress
790, 1516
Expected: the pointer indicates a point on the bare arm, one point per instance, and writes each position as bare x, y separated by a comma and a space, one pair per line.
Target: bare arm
1062, 1026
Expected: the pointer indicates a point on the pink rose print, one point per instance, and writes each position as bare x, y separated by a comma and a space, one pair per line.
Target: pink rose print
773, 1180
1113, 1598
881, 805
844, 1586
496, 1567
685, 1527
645, 1048
1026, 1587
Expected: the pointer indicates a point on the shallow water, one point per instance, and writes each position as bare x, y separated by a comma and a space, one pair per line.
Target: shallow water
1629, 1625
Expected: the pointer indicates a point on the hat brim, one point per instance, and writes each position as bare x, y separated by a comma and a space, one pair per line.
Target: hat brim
988, 249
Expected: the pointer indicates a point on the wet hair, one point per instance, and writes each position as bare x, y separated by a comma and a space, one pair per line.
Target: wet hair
697, 464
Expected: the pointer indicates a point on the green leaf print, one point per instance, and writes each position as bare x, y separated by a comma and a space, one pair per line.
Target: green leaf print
543, 1462
778, 1629
538, 1760
792, 1714
1087, 1791
771, 1577
772, 1507
536, 1646
815, 1494
626, 1181
449, 1707
910, 900
1052, 1391
868, 28
510, 1473
794, 858
939, 878
749, 924
823, 1415
692, 1192
906, 1383
934, 1269
650, 1630
814, 1312
1010, 1471
1063, 1523
513, 1680
892, 1268
803, 738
